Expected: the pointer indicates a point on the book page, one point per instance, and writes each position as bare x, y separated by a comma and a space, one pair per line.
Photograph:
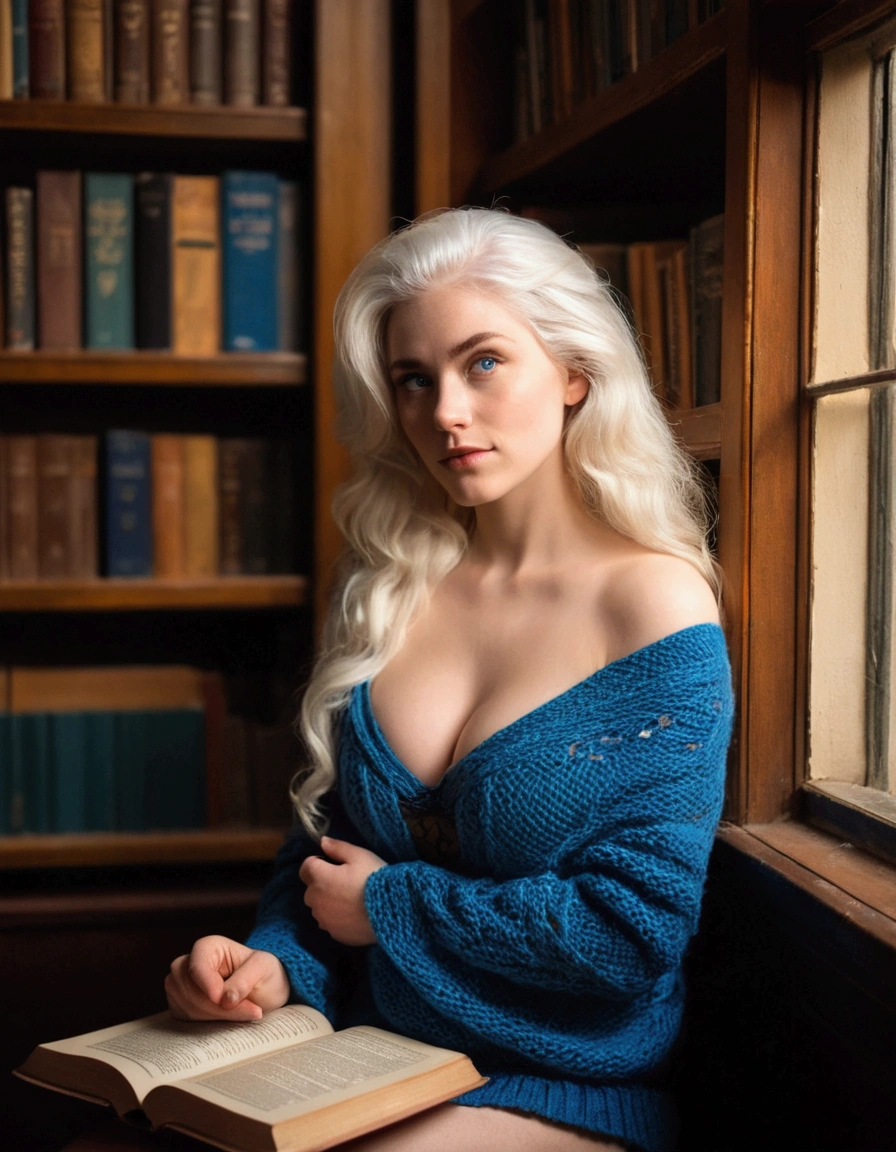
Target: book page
335, 1068
160, 1050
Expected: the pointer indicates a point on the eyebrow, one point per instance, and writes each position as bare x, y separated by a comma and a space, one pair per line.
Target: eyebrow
457, 350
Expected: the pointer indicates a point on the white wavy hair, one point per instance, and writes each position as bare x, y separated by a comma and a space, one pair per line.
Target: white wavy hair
402, 532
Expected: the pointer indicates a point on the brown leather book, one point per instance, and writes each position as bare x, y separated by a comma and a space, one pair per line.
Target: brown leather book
242, 19
201, 506
132, 40
83, 532
170, 41
21, 489
206, 76
59, 260
6, 74
196, 265
20, 269
167, 459
46, 49
54, 482
230, 513
276, 58
85, 33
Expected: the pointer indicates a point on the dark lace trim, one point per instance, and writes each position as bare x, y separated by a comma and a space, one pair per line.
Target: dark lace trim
434, 834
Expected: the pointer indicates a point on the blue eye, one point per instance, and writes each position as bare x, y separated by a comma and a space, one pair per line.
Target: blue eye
413, 383
487, 363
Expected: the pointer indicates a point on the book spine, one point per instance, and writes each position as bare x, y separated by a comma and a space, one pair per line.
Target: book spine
167, 457
83, 534
21, 85
21, 490
6, 58
250, 261
86, 43
256, 507
152, 281
206, 62
128, 550
285, 506
200, 506
131, 68
706, 251
69, 769
19, 269
289, 296
170, 52
46, 49
241, 52
276, 53
108, 207
54, 482
59, 260
230, 521
196, 265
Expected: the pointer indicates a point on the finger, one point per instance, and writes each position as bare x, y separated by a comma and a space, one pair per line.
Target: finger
251, 974
312, 869
340, 850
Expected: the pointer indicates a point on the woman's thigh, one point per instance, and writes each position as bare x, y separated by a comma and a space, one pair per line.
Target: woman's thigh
456, 1128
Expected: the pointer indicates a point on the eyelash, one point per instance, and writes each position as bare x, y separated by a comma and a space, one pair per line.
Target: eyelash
406, 381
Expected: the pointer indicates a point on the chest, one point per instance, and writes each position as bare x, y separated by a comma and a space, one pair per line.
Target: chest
470, 668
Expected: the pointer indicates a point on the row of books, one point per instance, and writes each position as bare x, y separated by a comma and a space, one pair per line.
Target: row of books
163, 505
674, 289
133, 749
191, 264
568, 50
170, 52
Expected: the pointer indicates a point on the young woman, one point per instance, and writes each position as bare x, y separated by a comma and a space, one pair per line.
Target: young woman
518, 724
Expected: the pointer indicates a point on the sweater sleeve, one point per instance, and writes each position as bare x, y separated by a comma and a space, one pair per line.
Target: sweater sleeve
313, 960
616, 909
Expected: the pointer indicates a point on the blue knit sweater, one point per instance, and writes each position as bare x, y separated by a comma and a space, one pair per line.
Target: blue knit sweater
548, 943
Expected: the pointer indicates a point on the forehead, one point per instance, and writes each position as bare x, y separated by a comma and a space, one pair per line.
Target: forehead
447, 316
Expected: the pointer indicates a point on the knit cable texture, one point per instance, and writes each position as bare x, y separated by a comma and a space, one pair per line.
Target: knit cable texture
552, 955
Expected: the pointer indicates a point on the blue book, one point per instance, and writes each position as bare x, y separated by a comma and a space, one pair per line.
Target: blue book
109, 260
128, 542
20, 77
250, 211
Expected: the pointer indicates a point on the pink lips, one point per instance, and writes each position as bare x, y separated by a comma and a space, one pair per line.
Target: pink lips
465, 458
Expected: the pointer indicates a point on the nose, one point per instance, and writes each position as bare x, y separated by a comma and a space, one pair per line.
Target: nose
452, 408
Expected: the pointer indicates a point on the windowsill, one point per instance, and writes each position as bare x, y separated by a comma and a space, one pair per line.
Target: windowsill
858, 887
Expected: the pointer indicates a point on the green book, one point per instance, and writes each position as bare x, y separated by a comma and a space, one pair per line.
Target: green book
100, 794
69, 756
109, 259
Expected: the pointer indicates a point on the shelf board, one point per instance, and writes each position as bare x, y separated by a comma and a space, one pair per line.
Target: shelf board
118, 595
238, 369
98, 849
566, 151
700, 430
277, 125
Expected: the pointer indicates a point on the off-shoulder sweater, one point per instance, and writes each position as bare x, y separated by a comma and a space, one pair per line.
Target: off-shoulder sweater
548, 943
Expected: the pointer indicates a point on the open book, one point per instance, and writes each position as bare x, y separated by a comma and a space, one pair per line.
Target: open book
285, 1083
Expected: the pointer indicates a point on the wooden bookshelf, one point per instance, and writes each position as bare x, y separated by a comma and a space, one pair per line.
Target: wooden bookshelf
106, 849
700, 430
232, 369
111, 595
274, 125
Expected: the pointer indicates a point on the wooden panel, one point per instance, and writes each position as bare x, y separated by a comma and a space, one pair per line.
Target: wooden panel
287, 125
847, 18
114, 848
433, 124
768, 709
120, 595
352, 205
239, 369
700, 430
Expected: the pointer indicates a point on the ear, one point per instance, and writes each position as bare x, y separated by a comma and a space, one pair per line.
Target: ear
576, 388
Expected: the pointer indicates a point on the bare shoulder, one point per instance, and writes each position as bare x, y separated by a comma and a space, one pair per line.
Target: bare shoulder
651, 595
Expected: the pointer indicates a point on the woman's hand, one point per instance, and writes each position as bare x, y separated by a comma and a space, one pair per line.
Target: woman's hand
222, 979
335, 892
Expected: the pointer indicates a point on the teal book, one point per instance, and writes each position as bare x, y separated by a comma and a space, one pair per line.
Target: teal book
21, 88
134, 741
69, 758
100, 798
175, 785
109, 260
32, 770
250, 226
